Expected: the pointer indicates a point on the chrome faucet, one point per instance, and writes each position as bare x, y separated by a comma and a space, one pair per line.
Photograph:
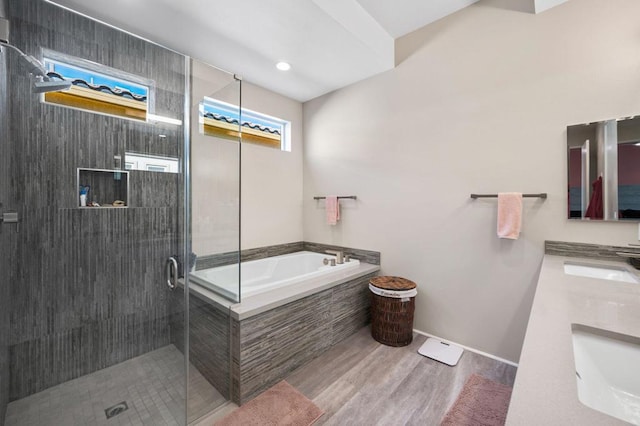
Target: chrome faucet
339, 255
329, 261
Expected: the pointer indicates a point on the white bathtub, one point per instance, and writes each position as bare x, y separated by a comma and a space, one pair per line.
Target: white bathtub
267, 274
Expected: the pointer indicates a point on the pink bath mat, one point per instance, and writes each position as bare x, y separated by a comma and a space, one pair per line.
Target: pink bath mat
482, 402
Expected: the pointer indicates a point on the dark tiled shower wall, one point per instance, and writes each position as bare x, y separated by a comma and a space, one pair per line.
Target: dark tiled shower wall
7, 243
89, 291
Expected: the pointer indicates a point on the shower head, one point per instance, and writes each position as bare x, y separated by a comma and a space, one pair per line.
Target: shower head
31, 64
48, 85
35, 68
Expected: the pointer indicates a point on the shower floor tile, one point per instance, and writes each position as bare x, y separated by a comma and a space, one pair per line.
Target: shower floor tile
152, 385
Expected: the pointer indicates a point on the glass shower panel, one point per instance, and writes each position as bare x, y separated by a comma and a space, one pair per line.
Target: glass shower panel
214, 284
215, 179
91, 330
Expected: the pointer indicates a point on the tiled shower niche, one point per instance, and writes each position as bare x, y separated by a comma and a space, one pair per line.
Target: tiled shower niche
107, 188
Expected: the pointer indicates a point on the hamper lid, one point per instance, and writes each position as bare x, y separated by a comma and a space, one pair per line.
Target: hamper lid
392, 283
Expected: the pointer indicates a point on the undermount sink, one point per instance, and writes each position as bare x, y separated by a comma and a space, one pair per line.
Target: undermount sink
611, 273
607, 370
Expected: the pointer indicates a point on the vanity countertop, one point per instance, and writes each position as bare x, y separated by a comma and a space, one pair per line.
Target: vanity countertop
545, 391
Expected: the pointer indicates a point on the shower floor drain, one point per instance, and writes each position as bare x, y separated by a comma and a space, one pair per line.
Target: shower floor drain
116, 409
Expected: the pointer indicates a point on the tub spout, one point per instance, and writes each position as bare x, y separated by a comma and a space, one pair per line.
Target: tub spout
339, 255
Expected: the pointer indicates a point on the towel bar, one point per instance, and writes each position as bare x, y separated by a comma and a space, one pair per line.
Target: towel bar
340, 197
541, 195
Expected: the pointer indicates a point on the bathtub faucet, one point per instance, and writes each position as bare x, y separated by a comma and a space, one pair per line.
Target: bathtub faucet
326, 261
339, 255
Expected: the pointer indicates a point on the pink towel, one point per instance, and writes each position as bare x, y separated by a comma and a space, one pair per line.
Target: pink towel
509, 215
333, 210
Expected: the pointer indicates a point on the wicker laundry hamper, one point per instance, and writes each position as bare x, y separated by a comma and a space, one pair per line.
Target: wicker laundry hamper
392, 307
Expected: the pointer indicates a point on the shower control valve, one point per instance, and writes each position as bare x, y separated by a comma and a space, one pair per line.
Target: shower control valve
10, 217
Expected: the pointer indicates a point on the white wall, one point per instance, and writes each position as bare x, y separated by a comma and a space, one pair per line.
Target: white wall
480, 104
215, 165
271, 185
272, 179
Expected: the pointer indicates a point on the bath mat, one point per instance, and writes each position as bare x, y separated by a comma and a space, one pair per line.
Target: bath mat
482, 402
280, 405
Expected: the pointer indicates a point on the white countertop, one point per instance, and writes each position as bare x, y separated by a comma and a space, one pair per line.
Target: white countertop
545, 390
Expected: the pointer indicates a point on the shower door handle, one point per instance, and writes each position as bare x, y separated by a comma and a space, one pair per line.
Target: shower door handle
171, 272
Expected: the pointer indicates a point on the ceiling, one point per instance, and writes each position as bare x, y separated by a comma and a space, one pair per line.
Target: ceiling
329, 43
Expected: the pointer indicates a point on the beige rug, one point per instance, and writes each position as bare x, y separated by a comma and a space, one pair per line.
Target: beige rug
280, 405
482, 402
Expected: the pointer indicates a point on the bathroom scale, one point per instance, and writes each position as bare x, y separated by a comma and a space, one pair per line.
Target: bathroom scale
445, 353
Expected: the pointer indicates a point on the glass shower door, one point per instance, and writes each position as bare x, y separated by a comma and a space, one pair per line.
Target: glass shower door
8, 237
215, 234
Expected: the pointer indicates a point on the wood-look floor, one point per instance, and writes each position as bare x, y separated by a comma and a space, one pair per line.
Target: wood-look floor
361, 382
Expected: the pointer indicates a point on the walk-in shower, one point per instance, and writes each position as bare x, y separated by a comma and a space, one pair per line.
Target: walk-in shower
90, 332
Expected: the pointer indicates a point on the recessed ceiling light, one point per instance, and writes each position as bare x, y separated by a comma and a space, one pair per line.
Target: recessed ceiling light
283, 66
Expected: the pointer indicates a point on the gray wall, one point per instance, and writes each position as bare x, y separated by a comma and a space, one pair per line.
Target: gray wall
7, 241
89, 291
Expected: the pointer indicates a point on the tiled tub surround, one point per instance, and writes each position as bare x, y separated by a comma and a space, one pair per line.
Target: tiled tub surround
277, 331
545, 390
231, 257
228, 258
102, 299
209, 340
268, 346
367, 256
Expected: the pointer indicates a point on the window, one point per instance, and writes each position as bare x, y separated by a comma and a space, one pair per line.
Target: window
151, 163
221, 119
98, 88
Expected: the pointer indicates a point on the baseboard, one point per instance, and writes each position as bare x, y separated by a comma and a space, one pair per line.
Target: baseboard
468, 348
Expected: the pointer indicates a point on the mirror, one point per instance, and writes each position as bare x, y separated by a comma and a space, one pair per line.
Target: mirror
604, 170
